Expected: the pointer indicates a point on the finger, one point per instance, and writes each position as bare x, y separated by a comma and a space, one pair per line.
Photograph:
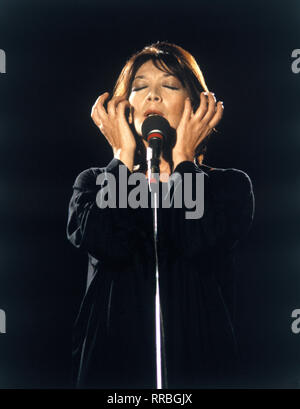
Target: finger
130, 116
94, 112
101, 99
98, 106
218, 115
121, 111
95, 116
211, 110
112, 105
201, 111
187, 111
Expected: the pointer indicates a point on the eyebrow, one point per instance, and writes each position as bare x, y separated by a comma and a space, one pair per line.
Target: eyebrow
164, 75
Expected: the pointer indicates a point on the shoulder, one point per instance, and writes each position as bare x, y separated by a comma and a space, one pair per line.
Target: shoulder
86, 179
228, 178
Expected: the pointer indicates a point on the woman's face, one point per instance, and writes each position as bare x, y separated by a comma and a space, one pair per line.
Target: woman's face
153, 89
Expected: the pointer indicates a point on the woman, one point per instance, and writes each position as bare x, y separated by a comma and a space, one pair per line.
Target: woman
114, 338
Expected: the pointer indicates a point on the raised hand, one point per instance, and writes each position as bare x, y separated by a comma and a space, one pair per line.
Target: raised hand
114, 126
195, 127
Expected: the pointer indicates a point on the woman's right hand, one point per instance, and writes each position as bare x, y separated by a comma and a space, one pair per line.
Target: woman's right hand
114, 126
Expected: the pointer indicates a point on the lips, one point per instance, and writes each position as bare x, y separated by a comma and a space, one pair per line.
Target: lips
153, 112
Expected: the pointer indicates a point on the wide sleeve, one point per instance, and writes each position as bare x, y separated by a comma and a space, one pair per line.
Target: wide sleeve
108, 234
228, 210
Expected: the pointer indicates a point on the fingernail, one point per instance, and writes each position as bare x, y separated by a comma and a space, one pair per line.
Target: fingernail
205, 93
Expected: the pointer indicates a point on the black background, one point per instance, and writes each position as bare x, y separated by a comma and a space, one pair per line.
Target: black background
60, 56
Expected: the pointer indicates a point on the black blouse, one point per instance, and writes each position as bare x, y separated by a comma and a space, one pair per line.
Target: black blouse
114, 334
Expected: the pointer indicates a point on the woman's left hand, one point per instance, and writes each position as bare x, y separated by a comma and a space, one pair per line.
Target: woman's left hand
193, 127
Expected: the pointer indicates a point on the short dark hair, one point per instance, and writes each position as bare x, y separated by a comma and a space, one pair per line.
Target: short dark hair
174, 60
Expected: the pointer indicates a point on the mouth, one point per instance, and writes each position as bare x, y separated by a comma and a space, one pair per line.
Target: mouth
151, 112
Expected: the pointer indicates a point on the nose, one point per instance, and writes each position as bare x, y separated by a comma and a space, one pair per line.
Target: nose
153, 95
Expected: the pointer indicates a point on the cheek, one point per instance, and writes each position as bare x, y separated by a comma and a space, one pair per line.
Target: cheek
176, 113
135, 100
135, 104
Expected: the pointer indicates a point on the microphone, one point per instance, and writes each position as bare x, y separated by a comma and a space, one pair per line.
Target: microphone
154, 129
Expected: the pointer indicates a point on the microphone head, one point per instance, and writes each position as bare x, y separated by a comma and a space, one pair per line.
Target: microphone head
157, 124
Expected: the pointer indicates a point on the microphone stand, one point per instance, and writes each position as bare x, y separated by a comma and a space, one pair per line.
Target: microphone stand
153, 183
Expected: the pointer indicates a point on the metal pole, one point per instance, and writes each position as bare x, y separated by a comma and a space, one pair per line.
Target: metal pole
157, 303
153, 179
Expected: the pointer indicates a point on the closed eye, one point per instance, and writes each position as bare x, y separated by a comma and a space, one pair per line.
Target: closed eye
137, 89
169, 86
166, 86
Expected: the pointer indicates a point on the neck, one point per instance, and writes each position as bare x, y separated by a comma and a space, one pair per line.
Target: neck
164, 169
